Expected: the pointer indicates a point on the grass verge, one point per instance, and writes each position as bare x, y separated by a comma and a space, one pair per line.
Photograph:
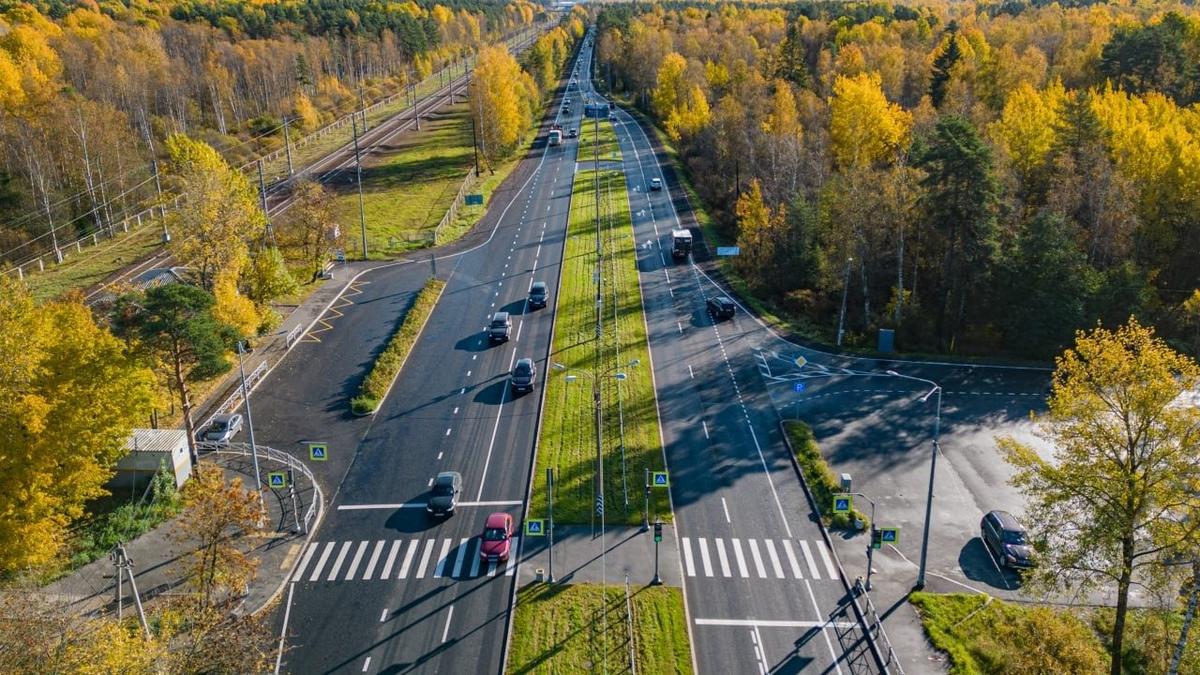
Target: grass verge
556, 629
821, 480
630, 439
90, 266
377, 383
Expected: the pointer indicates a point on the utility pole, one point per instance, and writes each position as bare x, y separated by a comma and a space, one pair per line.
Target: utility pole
474, 146
123, 564
262, 191
250, 425
287, 145
362, 214
845, 290
362, 104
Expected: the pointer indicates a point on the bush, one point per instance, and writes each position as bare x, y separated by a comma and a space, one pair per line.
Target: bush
822, 481
377, 383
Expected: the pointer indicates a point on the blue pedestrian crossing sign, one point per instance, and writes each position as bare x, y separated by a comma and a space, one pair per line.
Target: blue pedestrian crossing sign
318, 452
535, 527
660, 479
842, 503
798, 387
277, 479
890, 535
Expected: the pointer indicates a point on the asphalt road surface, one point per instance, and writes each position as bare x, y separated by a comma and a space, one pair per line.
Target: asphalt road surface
382, 587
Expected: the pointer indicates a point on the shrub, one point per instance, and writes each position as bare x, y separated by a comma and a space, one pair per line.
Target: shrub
376, 384
822, 481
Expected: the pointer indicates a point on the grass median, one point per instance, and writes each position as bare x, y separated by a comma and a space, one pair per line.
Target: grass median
379, 381
557, 629
630, 442
822, 481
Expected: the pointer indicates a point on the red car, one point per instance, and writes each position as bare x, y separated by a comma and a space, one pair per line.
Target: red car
496, 537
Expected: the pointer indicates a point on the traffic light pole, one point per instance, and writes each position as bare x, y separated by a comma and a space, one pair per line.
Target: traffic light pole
658, 526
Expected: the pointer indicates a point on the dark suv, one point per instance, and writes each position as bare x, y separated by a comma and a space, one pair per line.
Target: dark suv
538, 294
1006, 538
523, 375
720, 307
499, 327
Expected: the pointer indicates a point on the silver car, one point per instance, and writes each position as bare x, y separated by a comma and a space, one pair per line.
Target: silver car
223, 429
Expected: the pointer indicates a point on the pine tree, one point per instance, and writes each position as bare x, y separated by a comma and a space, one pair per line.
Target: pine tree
943, 67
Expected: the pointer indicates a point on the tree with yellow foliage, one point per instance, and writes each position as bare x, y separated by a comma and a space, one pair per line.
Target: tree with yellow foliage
1026, 128
69, 397
503, 98
865, 128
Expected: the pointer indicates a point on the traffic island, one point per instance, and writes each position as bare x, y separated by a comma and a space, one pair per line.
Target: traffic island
378, 383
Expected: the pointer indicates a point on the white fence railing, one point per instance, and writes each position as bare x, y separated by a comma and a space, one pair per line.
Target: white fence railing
235, 399
265, 453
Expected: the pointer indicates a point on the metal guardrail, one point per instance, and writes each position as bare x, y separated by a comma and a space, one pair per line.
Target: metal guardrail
235, 399
452, 212
293, 335
875, 626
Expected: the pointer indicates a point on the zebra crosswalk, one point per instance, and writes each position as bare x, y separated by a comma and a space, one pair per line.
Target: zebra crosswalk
383, 560
756, 558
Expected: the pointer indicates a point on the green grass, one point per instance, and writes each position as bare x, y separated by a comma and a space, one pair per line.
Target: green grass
408, 185
608, 147
568, 439
377, 383
556, 630
821, 480
82, 269
981, 634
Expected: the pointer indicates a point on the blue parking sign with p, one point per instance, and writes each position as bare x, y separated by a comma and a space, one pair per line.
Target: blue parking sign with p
842, 503
660, 479
798, 387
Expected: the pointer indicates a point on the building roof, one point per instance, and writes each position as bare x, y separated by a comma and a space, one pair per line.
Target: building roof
156, 440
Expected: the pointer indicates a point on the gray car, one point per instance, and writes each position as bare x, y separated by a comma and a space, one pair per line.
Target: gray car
447, 486
523, 375
223, 429
1005, 536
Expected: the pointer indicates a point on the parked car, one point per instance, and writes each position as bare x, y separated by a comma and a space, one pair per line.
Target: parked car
496, 539
656, 184
223, 429
523, 375
447, 486
539, 295
500, 327
1005, 536
721, 307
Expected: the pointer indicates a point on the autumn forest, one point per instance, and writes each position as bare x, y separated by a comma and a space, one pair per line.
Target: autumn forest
984, 178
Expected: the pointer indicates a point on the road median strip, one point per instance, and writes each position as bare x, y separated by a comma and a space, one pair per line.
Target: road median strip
378, 382
822, 481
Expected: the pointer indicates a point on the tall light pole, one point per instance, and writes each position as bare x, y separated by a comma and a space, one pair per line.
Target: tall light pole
845, 291
362, 214
937, 428
250, 426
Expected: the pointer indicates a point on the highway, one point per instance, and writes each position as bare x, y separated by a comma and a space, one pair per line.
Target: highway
382, 588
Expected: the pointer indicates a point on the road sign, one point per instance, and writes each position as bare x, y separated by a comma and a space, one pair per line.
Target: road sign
842, 503
660, 479
657, 531
277, 479
474, 200
728, 250
800, 361
535, 527
318, 452
600, 505
798, 387
890, 535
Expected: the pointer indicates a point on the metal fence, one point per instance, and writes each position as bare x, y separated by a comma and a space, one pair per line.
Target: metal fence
452, 212
265, 453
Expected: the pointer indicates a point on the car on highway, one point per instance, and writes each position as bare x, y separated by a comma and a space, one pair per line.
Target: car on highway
496, 539
573, 133
499, 327
523, 375
223, 429
655, 183
1004, 535
721, 307
539, 295
443, 497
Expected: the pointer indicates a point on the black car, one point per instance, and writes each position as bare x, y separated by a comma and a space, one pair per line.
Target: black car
447, 485
721, 307
1006, 538
523, 375
499, 328
539, 295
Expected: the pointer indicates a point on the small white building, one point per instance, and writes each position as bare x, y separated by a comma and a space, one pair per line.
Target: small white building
150, 449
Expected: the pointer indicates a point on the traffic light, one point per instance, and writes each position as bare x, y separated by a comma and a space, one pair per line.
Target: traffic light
658, 531
876, 537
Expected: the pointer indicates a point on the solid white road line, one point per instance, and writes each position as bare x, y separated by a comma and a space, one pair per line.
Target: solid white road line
774, 558
366, 664
358, 555
460, 558
312, 548
725, 507
370, 571
408, 558
421, 505
741, 559
770, 623
495, 428
824, 631
321, 563
440, 569
287, 613
703, 544
758, 561
383, 616
812, 563
705, 425
511, 567
446, 630
828, 563
770, 482
687, 557
722, 558
762, 651
424, 559
791, 556
337, 564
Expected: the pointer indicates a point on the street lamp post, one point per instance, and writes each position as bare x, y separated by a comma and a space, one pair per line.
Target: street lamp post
937, 427
250, 426
845, 291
